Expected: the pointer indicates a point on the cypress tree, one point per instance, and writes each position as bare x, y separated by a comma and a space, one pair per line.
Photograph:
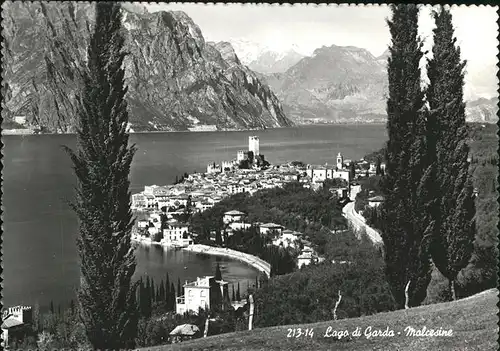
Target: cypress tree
161, 292
37, 325
404, 223
178, 287
218, 238
172, 297
152, 291
234, 296
218, 273
352, 171
141, 298
453, 215
51, 306
102, 166
378, 167
238, 296
147, 298
72, 306
167, 284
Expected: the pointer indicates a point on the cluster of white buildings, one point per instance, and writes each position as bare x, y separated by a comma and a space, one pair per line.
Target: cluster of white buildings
235, 220
159, 228
201, 191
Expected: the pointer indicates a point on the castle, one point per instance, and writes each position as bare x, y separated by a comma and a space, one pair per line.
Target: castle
253, 145
241, 155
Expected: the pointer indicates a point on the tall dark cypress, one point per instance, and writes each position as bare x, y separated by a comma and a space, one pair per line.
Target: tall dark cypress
173, 300
102, 166
238, 295
218, 273
152, 291
403, 224
141, 300
453, 214
161, 292
167, 287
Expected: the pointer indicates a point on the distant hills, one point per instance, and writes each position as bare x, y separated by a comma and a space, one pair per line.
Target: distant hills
346, 84
176, 80
482, 110
336, 83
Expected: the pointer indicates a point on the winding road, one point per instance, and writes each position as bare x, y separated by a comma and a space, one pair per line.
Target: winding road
357, 221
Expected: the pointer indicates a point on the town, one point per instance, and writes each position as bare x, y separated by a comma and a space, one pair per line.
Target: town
165, 210
249, 172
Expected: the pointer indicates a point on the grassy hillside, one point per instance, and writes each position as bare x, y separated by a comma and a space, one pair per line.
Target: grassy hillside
473, 321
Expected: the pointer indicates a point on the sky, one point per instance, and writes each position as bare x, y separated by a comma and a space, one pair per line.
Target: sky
311, 26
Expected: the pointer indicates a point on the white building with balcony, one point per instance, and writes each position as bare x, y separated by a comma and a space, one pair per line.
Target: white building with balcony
138, 201
202, 293
233, 216
176, 234
306, 257
269, 228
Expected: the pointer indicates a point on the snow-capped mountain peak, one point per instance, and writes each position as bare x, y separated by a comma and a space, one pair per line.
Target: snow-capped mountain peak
265, 59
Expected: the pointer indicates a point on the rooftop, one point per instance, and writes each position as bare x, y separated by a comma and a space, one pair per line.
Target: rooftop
10, 322
185, 329
203, 282
271, 225
234, 213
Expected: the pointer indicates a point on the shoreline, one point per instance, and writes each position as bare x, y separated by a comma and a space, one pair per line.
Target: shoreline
251, 260
11, 132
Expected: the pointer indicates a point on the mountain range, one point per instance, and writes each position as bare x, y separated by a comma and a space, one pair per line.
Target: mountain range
336, 83
346, 84
176, 80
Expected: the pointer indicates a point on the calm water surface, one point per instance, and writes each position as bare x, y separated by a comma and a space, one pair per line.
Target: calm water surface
40, 260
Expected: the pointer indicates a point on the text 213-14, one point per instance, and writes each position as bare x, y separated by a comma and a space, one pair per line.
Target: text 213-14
299, 332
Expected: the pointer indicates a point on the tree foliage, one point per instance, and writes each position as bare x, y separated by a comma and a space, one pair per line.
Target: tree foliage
312, 213
309, 295
454, 211
102, 166
404, 219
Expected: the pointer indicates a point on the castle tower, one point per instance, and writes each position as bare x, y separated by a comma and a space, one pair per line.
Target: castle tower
240, 156
253, 145
340, 161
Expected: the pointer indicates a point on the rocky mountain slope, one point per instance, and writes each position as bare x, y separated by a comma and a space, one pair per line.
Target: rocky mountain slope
346, 84
176, 80
336, 83
482, 110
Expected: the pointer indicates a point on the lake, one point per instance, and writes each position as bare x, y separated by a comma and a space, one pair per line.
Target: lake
40, 260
